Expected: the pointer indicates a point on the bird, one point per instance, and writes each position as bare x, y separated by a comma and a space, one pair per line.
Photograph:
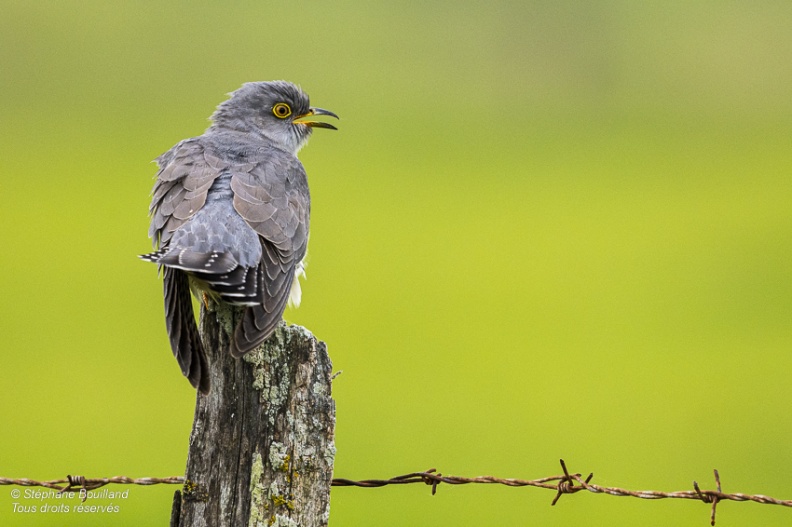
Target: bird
230, 212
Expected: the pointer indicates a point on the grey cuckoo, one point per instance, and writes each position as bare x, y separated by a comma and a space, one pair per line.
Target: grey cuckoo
229, 218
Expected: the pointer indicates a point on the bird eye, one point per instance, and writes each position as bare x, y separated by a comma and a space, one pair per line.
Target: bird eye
282, 110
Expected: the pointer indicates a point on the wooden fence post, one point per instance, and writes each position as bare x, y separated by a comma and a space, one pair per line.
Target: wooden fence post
261, 448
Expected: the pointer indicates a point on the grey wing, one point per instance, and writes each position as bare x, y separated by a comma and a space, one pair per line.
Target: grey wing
272, 196
186, 173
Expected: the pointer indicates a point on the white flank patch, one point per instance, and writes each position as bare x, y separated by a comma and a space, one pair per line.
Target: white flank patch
295, 294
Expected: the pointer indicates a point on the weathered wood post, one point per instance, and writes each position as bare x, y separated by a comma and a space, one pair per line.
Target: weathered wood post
261, 448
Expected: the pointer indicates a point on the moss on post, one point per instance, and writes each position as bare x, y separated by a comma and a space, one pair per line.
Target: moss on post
261, 449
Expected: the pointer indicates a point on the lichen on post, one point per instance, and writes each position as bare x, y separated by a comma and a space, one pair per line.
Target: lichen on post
261, 448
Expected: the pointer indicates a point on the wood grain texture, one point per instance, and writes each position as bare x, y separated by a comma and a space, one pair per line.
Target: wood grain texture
262, 444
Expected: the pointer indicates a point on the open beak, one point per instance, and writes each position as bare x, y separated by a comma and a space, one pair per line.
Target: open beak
317, 124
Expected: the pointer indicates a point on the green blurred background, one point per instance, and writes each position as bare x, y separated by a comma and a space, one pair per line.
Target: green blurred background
545, 229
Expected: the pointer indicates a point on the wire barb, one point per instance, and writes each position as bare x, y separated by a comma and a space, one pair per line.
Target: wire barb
430, 478
76, 481
566, 485
710, 496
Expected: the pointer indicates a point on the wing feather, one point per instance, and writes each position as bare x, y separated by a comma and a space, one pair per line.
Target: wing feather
272, 196
259, 321
186, 174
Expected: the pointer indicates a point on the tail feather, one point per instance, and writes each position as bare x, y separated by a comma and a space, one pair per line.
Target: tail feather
264, 290
182, 330
239, 287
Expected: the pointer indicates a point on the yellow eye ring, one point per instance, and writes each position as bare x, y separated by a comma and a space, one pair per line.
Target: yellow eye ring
281, 110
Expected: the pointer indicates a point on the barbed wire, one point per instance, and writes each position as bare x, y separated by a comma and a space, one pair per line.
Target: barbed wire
562, 484
83, 483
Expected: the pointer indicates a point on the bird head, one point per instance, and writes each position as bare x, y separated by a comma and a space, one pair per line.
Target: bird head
276, 110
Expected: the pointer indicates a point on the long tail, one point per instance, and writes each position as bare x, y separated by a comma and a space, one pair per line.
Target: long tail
182, 330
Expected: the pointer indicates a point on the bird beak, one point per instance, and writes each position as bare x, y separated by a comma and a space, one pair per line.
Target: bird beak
317, 124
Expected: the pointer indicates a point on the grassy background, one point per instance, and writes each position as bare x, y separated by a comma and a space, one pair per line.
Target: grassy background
545, 229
